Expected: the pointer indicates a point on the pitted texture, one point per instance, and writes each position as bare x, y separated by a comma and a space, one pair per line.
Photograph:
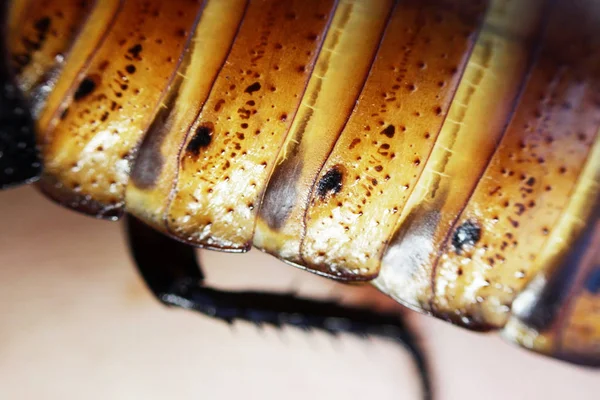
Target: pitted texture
230, 149
441, 149
385, 144
46, 33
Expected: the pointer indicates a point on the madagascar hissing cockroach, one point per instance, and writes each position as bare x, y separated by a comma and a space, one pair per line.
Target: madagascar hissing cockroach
445, 151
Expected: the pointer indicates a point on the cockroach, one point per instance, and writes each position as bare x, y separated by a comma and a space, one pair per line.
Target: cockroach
444, 151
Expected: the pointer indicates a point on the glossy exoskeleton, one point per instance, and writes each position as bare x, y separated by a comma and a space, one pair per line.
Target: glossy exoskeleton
445, 151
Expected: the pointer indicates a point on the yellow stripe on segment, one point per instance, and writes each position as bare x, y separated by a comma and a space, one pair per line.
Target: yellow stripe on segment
211, 44
341, 70
476, 121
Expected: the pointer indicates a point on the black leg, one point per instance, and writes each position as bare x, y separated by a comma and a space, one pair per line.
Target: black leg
18, 156
173, 274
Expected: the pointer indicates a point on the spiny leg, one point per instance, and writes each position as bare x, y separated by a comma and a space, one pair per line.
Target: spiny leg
171, 270
19, 161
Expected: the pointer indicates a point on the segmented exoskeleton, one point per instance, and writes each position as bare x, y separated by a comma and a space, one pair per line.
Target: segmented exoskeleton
445, 151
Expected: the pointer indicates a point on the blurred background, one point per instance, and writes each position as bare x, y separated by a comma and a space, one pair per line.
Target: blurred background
77, 322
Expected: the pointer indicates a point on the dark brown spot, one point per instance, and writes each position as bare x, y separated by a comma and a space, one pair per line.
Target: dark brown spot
354, 143
42, 25
253, 88
389, 131
135, 51
520, 208
219, 104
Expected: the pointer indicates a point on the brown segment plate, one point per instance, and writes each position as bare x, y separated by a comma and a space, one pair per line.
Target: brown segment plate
580, 336
17, 12
227, 158
476, 121
384, 147
38, 50
558, 313
155, 168
379, 156
58, 90
339, 76
88, 160
490, 254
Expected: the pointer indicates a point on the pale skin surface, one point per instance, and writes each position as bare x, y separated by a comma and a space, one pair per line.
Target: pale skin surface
78, 323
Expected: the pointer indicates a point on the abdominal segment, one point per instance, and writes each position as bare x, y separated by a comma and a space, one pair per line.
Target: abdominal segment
444, 150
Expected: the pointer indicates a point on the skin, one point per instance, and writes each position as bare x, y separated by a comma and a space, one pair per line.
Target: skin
78, 320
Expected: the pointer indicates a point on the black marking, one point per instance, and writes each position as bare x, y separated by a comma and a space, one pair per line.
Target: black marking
389, 131
21, 60
331, 182
86, 87
530, 181
135, 51
42, 25
466, 235
201, 139
172, 272
32, 44
19, 162
130, 69
253, 88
